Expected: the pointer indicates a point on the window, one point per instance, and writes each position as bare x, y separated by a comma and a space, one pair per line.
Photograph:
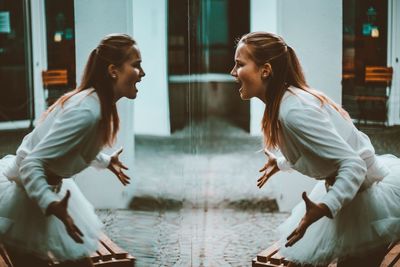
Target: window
201, 34
364, 45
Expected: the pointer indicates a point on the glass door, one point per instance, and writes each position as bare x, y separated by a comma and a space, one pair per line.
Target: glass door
60, 46
16, 100
201, 45
365, 42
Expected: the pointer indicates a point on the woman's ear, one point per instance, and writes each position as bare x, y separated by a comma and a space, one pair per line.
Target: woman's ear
266, 71
112, 71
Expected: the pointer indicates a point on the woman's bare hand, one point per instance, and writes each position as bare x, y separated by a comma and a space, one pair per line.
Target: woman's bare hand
59, 209
314, 212
117, 167
269, 169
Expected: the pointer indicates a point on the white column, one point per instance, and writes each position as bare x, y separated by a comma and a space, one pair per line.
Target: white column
263, 17
93, 20
39, 55
393, 60
150, 30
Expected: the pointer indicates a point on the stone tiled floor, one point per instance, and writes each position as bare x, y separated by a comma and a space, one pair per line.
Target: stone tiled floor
206, 211
192, 237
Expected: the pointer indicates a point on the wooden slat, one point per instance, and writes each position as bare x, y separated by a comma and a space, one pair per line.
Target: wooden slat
378, 74
256, 263
115, 263
392, 258
278, 259
117, 252
105, 253
378, 69
95, 256
371, 98
266, 254
55, 77
4, 259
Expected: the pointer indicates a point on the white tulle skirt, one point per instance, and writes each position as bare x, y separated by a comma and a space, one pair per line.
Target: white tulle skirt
25, 228
370, 221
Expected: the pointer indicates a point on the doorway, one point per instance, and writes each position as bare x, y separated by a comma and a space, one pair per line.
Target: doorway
201, 47
367, 76
16, 101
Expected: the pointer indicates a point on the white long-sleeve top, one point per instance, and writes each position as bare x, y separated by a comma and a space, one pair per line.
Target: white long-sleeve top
67, 141
317, 141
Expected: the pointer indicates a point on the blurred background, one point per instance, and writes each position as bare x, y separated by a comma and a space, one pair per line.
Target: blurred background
192, 145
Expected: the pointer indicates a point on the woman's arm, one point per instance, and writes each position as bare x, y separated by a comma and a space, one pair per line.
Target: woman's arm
102, 161
283, 164
64, 137
314, 135
112, 163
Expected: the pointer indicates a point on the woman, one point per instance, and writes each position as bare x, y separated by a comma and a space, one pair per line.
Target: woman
354, 212
67, 140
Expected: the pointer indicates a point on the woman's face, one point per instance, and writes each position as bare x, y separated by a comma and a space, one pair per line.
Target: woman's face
248, 74
127, 75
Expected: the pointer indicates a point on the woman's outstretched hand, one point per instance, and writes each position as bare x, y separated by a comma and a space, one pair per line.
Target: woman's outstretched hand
314, 212
269, 169
59, 209
116, 166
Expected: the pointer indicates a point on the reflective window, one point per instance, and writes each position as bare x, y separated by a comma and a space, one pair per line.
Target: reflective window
200, 34
60, 44
364, 50
201, 49
15, 103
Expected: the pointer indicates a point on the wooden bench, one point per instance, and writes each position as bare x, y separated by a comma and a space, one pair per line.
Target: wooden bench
271, 258
108, 255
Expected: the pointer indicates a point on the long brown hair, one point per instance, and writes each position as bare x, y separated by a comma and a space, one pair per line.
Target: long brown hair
113, 49
286, 71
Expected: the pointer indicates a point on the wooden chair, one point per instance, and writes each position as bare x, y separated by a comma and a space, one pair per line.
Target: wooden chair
54, 77
271, 258
108, 255
55, 83
378, 74
372, 100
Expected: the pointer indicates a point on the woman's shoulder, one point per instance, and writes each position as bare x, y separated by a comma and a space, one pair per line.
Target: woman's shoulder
85, 100
294, 98
296, 102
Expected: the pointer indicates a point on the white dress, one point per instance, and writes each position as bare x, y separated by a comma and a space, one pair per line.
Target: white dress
365, 197
67, 141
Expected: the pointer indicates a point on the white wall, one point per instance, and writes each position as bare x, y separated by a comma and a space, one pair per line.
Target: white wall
393, 61
263, 17
314, 29
93, 20
39, 56
150, 30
